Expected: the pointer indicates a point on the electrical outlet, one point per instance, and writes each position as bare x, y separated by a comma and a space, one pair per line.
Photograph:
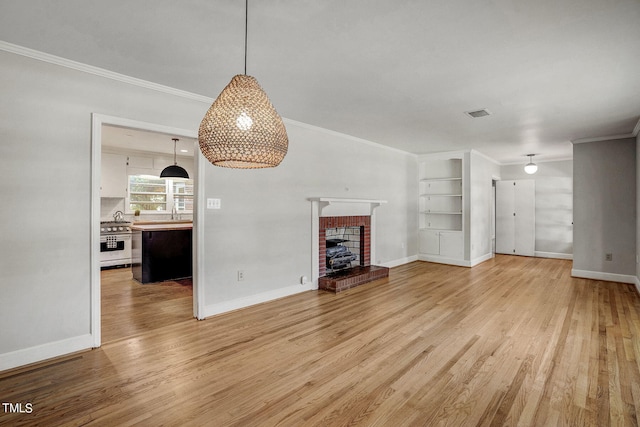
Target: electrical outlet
240, 275
608, 257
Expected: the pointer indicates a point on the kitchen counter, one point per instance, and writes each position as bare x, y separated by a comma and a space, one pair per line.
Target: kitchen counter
160, 226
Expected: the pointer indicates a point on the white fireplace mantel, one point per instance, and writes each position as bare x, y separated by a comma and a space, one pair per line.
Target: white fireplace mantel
335, 206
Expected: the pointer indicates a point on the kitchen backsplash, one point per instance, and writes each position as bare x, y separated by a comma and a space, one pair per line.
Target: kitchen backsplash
109, 206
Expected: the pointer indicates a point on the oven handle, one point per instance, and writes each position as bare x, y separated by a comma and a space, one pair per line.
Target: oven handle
119, 247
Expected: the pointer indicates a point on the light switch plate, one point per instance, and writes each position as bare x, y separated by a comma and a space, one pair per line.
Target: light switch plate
213, 203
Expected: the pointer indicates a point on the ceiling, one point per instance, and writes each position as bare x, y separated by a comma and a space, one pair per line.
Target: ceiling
400, 73
127, 139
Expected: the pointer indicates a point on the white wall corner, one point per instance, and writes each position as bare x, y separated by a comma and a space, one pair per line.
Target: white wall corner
636, 129
481, 259
45, 351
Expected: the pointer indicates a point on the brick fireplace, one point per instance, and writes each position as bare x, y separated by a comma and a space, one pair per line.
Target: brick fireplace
343, 215
342, 222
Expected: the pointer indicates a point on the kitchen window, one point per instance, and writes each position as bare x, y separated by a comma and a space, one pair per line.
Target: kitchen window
152, 194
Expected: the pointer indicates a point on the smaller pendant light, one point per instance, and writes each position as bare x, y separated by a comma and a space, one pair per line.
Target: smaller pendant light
174, 171
530, 167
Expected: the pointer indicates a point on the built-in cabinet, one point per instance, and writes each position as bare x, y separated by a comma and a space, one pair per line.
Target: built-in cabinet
443, 243
515, 217
441, 208
113, 176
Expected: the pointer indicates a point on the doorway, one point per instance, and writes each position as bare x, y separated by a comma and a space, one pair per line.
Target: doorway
180, 300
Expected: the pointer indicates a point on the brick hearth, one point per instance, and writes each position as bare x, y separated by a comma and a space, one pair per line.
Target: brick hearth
352, 277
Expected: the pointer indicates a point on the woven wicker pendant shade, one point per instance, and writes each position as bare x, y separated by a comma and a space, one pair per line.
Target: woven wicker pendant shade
242, 128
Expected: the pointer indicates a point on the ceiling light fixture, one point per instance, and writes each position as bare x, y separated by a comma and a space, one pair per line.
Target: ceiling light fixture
530, 167
242, 128
174, 171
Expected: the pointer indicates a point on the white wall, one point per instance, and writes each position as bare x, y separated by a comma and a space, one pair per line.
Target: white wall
45, 223
604, 199
554, 205
637, 279
482, 172
263, 227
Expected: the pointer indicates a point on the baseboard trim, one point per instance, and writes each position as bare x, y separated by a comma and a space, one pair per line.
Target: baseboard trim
608, 277
401, 261
236, 304
46, 351
555, 255
444, 260
637, 281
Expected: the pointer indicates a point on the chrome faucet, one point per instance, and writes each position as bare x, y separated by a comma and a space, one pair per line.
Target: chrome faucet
174, 212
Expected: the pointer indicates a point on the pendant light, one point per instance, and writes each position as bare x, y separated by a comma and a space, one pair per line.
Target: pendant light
242, 128
174, 171
530, 167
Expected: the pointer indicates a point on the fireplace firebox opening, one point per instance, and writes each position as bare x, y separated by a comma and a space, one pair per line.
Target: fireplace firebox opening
343, 247
344, 242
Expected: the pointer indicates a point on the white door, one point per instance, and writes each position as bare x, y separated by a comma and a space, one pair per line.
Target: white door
515, 217
525, 218
505, 224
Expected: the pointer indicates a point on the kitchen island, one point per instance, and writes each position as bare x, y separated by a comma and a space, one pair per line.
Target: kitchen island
161, 250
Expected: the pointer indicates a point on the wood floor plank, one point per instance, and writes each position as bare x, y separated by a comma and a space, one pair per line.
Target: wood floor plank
512, 341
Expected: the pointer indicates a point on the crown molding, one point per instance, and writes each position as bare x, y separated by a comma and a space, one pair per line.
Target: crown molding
78, 66
346, 136
633, 134
495, 162
90, 69
538, 161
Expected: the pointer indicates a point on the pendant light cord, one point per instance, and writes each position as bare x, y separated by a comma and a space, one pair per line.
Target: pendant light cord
246, 29
175, 161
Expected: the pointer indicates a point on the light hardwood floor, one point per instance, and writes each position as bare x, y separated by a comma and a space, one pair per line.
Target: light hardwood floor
513, 341
130, 308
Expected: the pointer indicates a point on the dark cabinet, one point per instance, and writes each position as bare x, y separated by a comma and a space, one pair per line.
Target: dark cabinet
161, 255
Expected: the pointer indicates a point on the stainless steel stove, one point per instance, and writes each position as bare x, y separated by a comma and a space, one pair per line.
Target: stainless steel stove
114, 227
115, 243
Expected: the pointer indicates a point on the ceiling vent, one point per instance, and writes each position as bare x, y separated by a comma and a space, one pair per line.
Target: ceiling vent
477, 113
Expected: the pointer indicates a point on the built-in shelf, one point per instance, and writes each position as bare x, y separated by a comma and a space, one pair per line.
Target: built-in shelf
441, 204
